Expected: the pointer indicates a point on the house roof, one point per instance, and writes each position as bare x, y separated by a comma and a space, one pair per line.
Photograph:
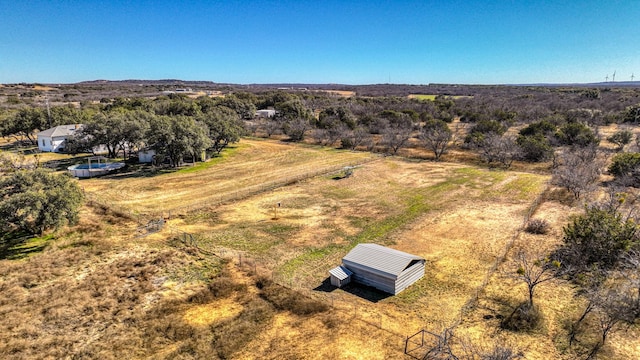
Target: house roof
340, 272
62, 130
381, 258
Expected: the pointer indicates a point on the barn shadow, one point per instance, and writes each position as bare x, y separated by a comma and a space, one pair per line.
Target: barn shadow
362, 291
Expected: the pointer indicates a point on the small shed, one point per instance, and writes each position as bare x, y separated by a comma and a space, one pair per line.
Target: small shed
383, 268
146, 155
340, 276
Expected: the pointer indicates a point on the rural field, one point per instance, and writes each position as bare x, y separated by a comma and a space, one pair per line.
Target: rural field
233, 275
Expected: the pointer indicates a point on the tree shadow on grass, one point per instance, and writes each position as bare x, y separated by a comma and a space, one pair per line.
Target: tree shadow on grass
14, 246
362, 291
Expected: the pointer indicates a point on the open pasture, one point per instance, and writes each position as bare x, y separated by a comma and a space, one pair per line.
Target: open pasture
190, 303
460, 218
251, 167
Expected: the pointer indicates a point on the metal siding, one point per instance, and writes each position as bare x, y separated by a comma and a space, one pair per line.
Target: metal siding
409, 276
371, 277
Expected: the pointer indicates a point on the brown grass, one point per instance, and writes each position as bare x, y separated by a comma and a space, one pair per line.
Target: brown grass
99, 292
258, 166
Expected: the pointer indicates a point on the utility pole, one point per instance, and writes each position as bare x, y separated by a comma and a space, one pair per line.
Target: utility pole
48, 111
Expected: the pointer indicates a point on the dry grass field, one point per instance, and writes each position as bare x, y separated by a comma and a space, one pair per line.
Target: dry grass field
256, 285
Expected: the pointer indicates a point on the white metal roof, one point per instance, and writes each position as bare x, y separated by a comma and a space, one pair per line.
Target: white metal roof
62, 130
340, 272
381, 258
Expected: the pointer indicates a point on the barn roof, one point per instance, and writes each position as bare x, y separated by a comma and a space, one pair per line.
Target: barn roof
62, 130
381, 258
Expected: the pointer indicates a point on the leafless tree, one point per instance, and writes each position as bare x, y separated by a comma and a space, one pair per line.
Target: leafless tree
351, 139
534, 269
435, 134
496, 148
612, 306
579, 170
395, 137
271, 127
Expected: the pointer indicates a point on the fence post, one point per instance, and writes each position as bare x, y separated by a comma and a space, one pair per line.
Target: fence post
406, 344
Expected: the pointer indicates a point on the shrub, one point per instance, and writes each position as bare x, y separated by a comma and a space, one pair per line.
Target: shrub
534, 148
624, 164
537, 226
577, 134
597, 238
621, 138
523, 318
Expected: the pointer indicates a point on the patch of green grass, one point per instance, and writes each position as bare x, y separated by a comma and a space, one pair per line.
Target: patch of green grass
225, 154
432, 97
245, 239
19, 247
423, 97
281, 231
338, 193
525, 186
310, 255
359, 222
376, 233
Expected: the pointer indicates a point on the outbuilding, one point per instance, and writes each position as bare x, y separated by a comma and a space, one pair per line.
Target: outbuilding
53, 140
266, 113
381, 267
146, 155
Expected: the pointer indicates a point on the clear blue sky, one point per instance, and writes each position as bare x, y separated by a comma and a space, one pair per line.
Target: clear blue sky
349, 42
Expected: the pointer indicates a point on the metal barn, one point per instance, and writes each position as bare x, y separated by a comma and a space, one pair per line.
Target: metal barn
383, 268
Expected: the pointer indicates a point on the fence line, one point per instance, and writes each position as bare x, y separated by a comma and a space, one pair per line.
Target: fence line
533, 207
143, 218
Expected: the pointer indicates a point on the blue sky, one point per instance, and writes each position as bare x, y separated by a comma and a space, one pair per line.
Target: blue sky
347, 42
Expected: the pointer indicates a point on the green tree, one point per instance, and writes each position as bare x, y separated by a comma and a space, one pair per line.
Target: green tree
621, 138
24, 123
483, 128
243, 107
177, 136
577, 134
597, 238
542, 127
225, 127
625, 167
61, 115
333, 116
534, 148
38, 200
295, 118
632, 114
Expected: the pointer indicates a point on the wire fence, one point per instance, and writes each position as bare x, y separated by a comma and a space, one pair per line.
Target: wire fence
280, 179
299, 281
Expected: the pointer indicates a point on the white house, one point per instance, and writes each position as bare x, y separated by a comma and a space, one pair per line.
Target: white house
53, 140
